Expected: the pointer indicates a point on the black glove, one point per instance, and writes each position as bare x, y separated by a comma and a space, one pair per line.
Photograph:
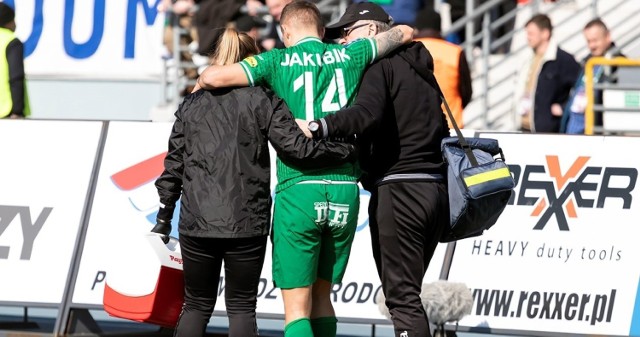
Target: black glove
355, 155
162, 227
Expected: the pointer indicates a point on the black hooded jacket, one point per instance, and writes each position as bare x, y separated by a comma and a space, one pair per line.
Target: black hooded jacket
397, 115
218, 160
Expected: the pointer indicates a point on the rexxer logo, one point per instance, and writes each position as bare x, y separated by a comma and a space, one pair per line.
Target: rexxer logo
563, 191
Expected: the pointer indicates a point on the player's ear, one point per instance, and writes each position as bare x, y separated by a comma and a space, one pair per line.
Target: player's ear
321, 32
285, 32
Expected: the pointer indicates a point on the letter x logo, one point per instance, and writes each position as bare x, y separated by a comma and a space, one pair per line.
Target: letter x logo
553, 204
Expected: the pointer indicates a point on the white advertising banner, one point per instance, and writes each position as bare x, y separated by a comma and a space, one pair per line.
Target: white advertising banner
125, 202
125, 206
563, 257
91, 39
44, 181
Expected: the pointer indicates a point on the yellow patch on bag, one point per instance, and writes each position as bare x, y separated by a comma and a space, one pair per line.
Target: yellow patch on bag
487, 176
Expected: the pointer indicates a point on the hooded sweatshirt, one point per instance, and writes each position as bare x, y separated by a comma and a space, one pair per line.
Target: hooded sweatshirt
396, 118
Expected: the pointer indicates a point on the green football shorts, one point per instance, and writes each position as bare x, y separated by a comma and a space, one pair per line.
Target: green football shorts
314, 223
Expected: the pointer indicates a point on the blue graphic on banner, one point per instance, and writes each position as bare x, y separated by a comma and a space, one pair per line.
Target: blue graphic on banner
36, 31
150, 14
635, 320
86, 49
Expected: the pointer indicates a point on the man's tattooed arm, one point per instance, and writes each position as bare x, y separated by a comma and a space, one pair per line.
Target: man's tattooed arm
393, 38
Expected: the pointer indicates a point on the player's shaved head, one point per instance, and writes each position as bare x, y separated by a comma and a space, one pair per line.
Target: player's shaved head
302, 15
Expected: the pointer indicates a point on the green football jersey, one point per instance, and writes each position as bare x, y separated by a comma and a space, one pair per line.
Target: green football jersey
315, 79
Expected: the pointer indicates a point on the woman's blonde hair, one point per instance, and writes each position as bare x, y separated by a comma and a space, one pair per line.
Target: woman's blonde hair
233, 46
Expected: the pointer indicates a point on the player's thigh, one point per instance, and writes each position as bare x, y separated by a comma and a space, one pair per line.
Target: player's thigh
342, 219
296, 235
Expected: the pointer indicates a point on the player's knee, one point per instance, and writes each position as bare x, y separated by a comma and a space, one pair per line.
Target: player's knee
321, 290
297, 298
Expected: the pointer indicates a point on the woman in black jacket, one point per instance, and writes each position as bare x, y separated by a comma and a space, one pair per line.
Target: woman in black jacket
218, 162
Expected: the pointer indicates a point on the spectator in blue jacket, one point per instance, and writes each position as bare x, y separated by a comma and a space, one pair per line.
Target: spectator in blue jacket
599, 42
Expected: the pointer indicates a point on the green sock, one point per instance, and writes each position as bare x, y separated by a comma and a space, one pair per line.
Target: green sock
298, 328
324, 326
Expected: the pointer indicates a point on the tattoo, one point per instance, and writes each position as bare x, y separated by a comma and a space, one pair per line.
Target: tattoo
388, 41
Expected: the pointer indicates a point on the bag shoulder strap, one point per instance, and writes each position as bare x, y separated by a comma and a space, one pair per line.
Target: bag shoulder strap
428, 76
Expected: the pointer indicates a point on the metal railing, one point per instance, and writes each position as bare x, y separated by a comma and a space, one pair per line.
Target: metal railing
486, 95
591, 87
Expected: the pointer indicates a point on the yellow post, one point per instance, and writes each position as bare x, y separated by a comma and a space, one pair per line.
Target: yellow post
589, 114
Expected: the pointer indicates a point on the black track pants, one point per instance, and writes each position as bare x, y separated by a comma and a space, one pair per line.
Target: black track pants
406, 220
243, 259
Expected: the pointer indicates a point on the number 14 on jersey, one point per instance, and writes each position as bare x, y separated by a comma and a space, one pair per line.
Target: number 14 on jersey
336, 84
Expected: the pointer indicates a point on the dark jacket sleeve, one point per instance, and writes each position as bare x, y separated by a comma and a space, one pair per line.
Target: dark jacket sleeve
464, 82
367, 112
15, 59
169, 184
294, 147
570, 70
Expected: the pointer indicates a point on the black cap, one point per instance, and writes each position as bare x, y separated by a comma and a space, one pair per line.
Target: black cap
6, 14
428, 18
245, 23
356, 12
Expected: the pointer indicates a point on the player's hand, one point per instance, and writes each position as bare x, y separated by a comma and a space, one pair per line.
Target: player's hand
304, 126
407, 33
196, 87
182, 7
162, 227
268, 44
556, 109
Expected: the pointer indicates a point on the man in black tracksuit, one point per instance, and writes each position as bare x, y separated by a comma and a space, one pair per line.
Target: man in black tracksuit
398, 115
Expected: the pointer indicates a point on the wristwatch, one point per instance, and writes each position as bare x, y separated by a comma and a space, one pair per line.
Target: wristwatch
314, 128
